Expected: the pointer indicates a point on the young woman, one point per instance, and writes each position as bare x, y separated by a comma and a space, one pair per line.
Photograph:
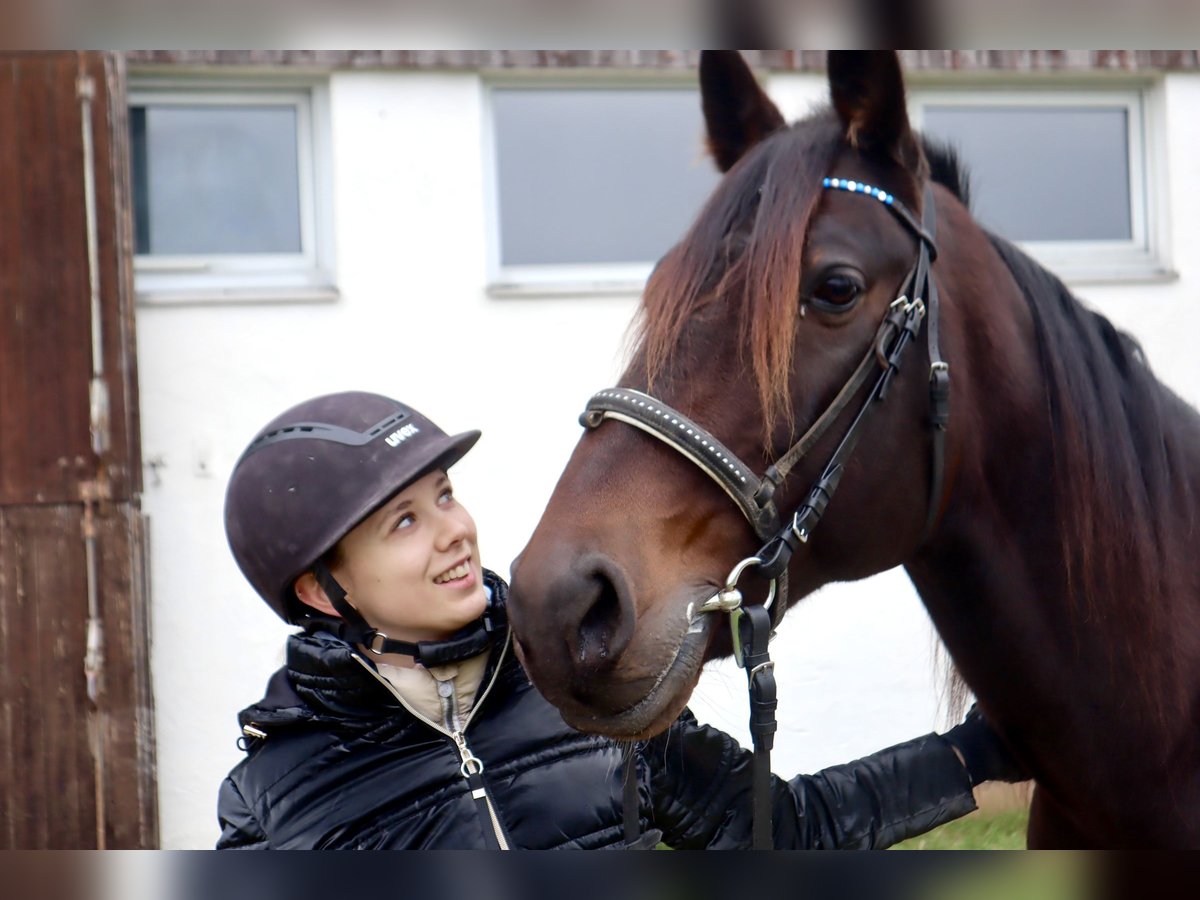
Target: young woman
402, 718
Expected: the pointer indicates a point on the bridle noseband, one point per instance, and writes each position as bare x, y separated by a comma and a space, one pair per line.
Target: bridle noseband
754, 496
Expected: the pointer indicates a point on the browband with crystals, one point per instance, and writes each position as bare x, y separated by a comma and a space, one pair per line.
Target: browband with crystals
888, 200
858, 187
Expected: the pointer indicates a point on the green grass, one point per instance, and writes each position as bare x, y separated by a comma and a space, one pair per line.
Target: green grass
977, 831
1003, 830
995, 831
1028, 876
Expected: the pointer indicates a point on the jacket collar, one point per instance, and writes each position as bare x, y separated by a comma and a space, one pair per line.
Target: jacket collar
322, 679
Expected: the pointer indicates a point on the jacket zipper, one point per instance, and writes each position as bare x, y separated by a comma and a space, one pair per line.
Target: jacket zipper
472, 770
472, 766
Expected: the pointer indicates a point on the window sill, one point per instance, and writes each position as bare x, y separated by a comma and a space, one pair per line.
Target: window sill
1100, 264
1146, 275
506, 290
569, 280
237, 296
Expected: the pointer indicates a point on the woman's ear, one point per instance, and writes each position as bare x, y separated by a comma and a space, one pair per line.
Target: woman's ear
310, 593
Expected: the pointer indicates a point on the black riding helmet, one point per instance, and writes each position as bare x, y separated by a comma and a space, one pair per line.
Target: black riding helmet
308, 478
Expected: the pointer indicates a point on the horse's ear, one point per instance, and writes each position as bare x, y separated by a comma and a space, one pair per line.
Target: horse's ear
867, 89
736, 111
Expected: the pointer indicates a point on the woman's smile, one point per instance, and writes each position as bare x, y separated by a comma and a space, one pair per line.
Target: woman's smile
458, 574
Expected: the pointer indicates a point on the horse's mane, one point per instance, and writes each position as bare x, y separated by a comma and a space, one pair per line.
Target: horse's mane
1108, 414
947, 169
1119, 468
1118, 437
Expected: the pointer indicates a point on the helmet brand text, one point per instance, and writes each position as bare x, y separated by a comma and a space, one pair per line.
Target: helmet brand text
400, 435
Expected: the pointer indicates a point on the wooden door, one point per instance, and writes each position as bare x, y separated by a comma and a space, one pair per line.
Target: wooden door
76, 723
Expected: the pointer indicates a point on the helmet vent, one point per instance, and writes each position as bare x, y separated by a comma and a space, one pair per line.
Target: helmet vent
320, 431
387, 423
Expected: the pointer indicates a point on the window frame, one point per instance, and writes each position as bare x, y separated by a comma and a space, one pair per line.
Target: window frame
1143, 256
532, 280
307, 275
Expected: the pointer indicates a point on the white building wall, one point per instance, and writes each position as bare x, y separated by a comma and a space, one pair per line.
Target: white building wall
854, 665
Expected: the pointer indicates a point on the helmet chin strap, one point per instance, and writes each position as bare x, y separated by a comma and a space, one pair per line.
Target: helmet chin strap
463, 644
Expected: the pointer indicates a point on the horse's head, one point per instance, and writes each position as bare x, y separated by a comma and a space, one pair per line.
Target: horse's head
751, 327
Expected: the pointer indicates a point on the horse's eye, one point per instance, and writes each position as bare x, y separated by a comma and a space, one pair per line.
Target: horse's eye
837, 292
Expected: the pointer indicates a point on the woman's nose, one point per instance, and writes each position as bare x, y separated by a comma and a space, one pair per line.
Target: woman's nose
454, 530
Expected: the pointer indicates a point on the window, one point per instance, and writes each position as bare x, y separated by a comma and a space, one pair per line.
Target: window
1063, 173
228, 202
591, 185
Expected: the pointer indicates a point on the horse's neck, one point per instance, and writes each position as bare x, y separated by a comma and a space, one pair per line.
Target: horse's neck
1056, 666
1061, 688
997, 576
1003, 610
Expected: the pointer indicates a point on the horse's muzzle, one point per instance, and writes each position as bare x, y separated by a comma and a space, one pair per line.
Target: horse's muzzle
574, 621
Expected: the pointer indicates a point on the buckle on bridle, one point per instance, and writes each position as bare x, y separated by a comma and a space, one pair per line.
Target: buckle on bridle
939, 395
797, 529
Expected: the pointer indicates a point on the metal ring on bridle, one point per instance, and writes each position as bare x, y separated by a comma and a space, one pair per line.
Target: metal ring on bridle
375, 642
729, 597
732, 580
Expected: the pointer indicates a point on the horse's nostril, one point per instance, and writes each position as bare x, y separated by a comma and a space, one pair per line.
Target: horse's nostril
599, 623
574, 617
606, 622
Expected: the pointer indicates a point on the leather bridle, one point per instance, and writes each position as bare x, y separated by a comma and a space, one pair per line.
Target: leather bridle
752, 626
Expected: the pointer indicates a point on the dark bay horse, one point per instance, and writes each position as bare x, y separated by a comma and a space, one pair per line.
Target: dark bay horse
1057, 552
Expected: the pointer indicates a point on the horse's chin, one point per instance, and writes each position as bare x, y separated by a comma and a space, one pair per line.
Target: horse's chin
665, 700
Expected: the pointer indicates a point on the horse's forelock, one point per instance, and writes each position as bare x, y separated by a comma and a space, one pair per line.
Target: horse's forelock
769, 272
745, 248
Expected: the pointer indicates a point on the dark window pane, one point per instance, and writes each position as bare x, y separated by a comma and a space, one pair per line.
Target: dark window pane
141, 190
216, 179
1043, 173
597, 176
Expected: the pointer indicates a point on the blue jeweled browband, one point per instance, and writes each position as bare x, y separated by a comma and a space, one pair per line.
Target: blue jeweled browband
896, 206
857, 187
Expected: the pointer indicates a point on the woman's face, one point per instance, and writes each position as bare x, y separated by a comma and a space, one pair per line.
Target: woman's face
412, 567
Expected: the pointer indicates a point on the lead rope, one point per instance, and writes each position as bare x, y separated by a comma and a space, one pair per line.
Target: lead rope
753, 633
751, 628
629, 795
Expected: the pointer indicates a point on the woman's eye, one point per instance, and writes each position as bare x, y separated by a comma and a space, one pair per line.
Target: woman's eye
838, 291
446, 496
405, 521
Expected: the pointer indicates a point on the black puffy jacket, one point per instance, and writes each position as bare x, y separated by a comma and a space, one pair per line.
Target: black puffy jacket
335, 760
